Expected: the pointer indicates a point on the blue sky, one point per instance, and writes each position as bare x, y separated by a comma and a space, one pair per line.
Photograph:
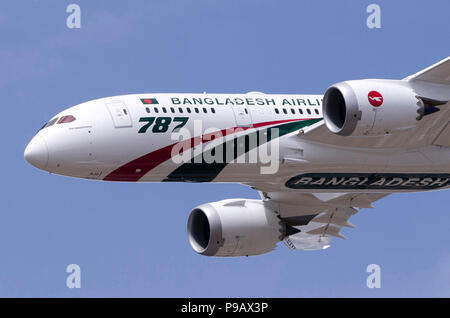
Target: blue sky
130, 239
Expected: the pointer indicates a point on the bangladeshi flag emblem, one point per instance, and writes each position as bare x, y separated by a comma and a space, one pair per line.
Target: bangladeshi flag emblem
149, 101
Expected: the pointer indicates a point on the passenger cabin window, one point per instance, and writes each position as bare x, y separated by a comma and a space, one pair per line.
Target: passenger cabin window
284, 110
213, 110
147, 109
300, 111
180, 109
277, 111
156, 110
309, 111
196, 110
164, 110
188, 110
317, 111
172, 109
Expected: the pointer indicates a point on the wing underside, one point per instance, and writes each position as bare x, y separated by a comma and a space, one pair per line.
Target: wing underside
318, 217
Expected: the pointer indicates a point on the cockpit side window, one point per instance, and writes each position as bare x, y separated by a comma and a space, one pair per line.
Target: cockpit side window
66, 119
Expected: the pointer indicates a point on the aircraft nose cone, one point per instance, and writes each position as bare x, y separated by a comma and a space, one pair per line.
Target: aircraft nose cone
36, 153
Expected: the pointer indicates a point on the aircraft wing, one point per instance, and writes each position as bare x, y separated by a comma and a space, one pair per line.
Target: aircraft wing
432, 85
321, 216
318, 216
438, 73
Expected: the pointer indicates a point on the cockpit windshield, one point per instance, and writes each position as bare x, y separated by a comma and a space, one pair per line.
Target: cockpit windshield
51, 122
62, 120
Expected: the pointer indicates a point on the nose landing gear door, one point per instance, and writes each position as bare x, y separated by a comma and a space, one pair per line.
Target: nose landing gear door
119, 114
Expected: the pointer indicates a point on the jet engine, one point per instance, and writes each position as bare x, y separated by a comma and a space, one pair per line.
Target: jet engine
235, 227
372, 107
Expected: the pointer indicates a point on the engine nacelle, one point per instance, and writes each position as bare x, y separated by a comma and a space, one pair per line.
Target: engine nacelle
371, 107
235, 227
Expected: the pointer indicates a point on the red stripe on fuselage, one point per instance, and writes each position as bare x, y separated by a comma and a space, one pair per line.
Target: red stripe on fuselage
136, 169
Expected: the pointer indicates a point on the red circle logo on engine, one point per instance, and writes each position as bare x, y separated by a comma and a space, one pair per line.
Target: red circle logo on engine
375, 98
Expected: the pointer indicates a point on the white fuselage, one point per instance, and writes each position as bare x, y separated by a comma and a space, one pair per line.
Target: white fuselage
135, 138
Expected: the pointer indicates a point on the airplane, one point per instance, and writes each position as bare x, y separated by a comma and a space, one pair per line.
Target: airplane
315, 160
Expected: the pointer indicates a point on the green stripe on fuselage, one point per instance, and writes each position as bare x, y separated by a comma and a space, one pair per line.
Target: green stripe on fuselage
198, 170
